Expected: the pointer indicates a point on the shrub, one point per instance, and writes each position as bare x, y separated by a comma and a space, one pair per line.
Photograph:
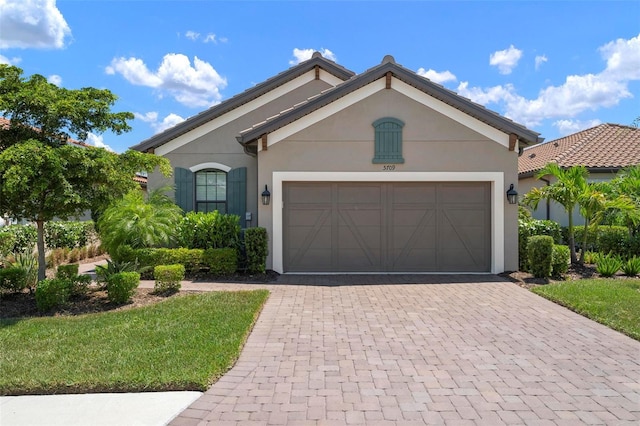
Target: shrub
532, 227
614, 239
13, 278
7, 243
590, 257
68, 271
256, 249
631, 267
28, 262
103, 273
52, 293
59, 234
221, 261
24, 237
79, 283
608, 265
122, 286
168, 278
209, 230
192, 259
540, 248
560, 259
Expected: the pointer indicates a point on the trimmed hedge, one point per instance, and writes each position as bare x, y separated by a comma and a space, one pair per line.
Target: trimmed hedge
540, 248
59, 234
13, 278
192, 259
533, 227
560, 259
52, 293
24, 237
168, 278
221, 261
608, 239
256, 248
209, 230
122, 286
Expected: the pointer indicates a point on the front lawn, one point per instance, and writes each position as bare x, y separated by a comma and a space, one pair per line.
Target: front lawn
184, 343
612, 302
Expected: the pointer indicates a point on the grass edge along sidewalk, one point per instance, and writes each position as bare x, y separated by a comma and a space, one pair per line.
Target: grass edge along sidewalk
183, 343
612, 302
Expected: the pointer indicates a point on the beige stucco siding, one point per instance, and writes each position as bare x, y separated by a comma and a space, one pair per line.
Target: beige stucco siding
220, 145
432, 142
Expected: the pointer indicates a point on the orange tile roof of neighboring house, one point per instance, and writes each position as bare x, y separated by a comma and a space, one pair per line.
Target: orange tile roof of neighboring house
4, 123
607, 146
142, 180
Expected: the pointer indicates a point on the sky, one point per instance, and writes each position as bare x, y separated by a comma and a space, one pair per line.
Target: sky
557, 67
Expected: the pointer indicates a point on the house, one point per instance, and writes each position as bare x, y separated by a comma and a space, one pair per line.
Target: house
603, 150
383, 171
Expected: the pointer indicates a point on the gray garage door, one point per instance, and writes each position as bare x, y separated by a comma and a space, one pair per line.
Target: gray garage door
387, 227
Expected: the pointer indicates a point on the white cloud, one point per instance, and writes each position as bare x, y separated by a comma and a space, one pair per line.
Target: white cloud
192, 35
55, 79
567, 127
540, 59
98, 141
9, 61
159, 126
194, 86
302, 55
506, 60
210, 38
435, 76
32, 24
578, 93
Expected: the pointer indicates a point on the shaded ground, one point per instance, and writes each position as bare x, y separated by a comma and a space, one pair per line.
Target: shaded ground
575, 272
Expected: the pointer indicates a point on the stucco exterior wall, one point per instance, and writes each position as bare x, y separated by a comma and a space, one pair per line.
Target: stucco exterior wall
432, 142
220, 146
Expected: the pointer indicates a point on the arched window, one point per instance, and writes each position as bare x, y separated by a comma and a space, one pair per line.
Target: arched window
388, 141
211, 191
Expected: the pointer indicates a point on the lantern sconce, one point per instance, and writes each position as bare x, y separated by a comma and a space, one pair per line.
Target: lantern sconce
266, 196
512, 195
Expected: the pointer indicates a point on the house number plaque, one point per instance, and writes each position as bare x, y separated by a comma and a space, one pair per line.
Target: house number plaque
389, 167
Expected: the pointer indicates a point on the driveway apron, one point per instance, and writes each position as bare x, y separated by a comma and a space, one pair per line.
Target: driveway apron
422, 353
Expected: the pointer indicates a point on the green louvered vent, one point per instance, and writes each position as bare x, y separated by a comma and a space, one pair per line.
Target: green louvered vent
388, 141
237, 193
184, 188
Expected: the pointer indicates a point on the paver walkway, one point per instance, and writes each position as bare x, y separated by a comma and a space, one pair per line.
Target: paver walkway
477, 353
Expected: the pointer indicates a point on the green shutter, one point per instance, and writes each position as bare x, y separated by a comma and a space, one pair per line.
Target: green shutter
184, 188
237, 193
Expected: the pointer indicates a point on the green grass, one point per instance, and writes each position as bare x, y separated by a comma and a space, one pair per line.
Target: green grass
183, 343
612, 302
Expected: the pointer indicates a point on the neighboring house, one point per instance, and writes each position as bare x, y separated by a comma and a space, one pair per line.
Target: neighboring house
603, 150
383, 171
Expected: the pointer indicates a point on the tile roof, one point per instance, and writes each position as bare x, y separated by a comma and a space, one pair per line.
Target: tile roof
242, 98
409, 77
5, 124
607, 146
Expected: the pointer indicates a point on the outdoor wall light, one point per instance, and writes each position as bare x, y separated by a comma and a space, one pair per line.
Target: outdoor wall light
512, 195
266, 196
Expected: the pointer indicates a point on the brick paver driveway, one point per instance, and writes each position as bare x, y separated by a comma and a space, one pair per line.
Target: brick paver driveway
450, 353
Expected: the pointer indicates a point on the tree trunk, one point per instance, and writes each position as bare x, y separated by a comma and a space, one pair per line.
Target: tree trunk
42, 263
584, 241
572, 244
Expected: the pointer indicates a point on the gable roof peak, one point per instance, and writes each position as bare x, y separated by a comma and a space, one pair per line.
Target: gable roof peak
388, 59
316, 54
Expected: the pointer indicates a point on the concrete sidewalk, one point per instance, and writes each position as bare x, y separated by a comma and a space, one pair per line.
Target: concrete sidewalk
113, 409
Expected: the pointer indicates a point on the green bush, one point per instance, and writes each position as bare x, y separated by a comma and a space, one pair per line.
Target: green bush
79, 284
608, 265
122, 286
607, 239
7, 243
168, 278
13, 278
531, 227
560, 260
59, 234
209, 230
29, 262
148, 258
221, 261
256, 249
52, 293
68, 271
631, 267
540, 248
24, 238
104, 272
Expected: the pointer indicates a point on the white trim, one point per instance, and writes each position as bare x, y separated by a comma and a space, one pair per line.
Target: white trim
324, 112
497, 201
400, 87
242, 110
203, 166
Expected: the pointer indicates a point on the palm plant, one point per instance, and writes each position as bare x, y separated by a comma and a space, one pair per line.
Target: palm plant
627, 184
139, 222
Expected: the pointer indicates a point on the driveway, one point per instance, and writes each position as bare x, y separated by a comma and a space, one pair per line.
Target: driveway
481, 352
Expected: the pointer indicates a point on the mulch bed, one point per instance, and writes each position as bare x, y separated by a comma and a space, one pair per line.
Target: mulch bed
575, 272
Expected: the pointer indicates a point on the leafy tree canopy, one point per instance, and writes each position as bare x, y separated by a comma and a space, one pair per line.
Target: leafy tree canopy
43, 111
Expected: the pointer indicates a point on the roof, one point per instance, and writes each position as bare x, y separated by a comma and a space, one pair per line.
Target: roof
409, 77
606, 147
5, 124
245, 97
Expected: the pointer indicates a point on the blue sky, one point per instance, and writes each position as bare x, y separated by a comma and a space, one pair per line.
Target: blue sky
557, 67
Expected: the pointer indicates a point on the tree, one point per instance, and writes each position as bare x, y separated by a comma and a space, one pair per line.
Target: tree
43, 111
566, 190
139, 222
40, 183
627, 184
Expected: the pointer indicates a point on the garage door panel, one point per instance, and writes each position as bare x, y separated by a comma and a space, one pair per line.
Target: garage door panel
403, 227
